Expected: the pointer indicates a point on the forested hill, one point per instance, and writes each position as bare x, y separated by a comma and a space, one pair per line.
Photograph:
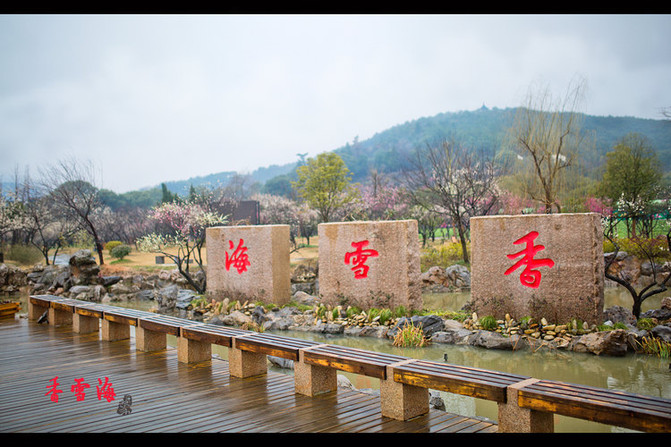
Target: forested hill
388, 151
484, 130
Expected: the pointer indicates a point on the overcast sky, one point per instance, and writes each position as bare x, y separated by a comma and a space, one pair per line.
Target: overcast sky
152, 98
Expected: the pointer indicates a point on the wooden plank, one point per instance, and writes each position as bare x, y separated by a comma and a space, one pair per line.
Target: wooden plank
475, 382
125, 315
168, 396
357, 361
275, 345
67, 304
633, 411
210, 333
165, 323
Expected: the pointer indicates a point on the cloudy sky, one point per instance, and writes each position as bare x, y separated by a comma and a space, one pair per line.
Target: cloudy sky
152, 98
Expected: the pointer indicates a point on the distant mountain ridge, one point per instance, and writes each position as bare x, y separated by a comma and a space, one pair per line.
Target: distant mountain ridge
387, 151
481, 129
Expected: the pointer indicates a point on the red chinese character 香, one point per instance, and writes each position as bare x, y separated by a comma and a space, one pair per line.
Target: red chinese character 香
105, 391
358, 257
53, 390
79, 388
239, 259
529, 277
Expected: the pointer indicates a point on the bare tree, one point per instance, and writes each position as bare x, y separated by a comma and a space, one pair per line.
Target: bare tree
71, 186
546, 133
647, 248
449, 180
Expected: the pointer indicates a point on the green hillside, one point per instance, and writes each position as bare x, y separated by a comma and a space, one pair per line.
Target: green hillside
483, 129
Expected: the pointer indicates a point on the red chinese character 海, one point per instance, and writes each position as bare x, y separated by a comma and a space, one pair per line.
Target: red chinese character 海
106, 391
239, 259
529, 277
53, 390
359, 257
79, 388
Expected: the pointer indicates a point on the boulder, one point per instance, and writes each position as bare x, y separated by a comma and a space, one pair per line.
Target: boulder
604, 342
452, 336
618, 314
663, 332
236, 318
429, 324
459, 276
12, 278
83, 267
493, 340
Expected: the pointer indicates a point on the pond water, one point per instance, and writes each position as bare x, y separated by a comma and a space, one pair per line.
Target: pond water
634, 373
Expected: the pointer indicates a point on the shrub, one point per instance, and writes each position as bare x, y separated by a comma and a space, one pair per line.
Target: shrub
120, 251
24, 254
443, 255
385, 315
109, 246
645, 324
488, 323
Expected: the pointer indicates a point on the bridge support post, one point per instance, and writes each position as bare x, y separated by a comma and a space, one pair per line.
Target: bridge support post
244, 364
81, 324
149, 340
112, 331
35, 311
513, 419
311, 380
191, 351
58, 317
402, 402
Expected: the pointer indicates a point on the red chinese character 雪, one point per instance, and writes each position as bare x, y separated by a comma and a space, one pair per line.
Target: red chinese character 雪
79, 388
239, 259
529, 277
358, 258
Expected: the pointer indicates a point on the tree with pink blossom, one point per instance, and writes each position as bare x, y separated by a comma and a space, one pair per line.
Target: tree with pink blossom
180, 236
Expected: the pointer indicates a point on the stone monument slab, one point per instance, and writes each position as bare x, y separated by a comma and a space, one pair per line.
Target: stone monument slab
370, 264
249, 262
538, 265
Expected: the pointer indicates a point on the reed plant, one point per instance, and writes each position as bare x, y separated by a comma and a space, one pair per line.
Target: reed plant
655, 346
410, 336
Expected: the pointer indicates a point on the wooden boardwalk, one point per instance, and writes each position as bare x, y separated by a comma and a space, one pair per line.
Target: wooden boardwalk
173, 397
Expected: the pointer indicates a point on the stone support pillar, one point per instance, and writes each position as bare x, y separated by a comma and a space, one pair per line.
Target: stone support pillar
513, 419
192, 351
401, 401
82, 324
112, 331
311, 380
149, 341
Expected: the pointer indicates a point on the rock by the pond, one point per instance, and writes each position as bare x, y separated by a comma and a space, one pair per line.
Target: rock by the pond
493, 340
663, 332
459, 276
12, 278
83, 267
612, 343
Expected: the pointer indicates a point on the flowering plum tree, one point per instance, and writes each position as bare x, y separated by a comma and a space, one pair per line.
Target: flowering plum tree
181, 237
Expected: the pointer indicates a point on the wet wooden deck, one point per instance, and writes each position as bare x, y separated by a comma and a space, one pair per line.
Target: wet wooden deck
168, 396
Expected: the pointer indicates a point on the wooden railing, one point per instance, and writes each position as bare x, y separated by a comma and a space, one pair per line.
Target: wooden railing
525, 404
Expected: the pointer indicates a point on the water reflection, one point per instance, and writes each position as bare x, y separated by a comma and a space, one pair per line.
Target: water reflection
613, 296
